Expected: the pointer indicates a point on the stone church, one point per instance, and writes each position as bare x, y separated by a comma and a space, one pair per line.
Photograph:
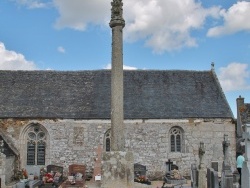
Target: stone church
62, 117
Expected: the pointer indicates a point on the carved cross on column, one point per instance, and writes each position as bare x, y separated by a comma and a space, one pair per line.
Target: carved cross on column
117, 14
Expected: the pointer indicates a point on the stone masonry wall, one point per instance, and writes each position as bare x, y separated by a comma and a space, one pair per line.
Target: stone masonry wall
9, 170
75, 141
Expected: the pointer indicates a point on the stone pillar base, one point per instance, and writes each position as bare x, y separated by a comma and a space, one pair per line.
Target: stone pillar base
202, 181
117, 170
245, 174
227, 177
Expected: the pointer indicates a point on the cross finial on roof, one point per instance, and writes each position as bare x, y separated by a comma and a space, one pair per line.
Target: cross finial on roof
212, 65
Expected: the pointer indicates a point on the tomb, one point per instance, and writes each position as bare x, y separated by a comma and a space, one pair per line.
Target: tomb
53, 177
173, 175
139, 170
78, 171
140, 174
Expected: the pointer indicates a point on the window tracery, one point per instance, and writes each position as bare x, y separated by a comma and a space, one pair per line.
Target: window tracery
176, 139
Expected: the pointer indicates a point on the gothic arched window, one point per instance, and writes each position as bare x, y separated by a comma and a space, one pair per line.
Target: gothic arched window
176, 139
36, 145
107, 140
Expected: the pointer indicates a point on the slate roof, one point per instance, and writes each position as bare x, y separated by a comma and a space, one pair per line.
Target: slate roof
148, 94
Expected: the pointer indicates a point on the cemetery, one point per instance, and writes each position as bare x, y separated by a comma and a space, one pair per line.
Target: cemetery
120, 129
201, 176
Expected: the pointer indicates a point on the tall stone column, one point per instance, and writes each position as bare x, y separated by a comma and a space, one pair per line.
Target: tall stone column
118, 164
117, 24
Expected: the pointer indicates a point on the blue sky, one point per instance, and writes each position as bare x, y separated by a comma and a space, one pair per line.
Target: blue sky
159, 34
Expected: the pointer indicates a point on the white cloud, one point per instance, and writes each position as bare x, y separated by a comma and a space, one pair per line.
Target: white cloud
60, 49
125, 67
10, 60
33, 4
78, 14
234, 77
165, 25
236, 19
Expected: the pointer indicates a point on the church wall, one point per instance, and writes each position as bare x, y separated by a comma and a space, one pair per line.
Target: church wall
76, 141
9, 168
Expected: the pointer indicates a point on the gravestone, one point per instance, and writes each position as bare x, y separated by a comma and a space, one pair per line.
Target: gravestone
75, 169
215, 165
236, 178
55, 168
194, 176
227, 176
139, 170
214, 179
169, 164
35, 170
97, 165
174, 167
174, 177
209, 178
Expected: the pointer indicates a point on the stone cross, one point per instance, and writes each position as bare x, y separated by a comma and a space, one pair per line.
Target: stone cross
227, 176
225, 145
169, 164
194, 176
201, 170
201, 154
117, 24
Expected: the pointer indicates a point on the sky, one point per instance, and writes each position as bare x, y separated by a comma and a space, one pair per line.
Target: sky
64, 35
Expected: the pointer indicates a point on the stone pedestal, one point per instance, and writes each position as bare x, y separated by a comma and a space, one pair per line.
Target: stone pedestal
117, 170
202, 183
227, 178
245, 175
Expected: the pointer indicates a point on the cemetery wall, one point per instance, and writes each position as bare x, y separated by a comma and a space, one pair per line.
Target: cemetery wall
75, 141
